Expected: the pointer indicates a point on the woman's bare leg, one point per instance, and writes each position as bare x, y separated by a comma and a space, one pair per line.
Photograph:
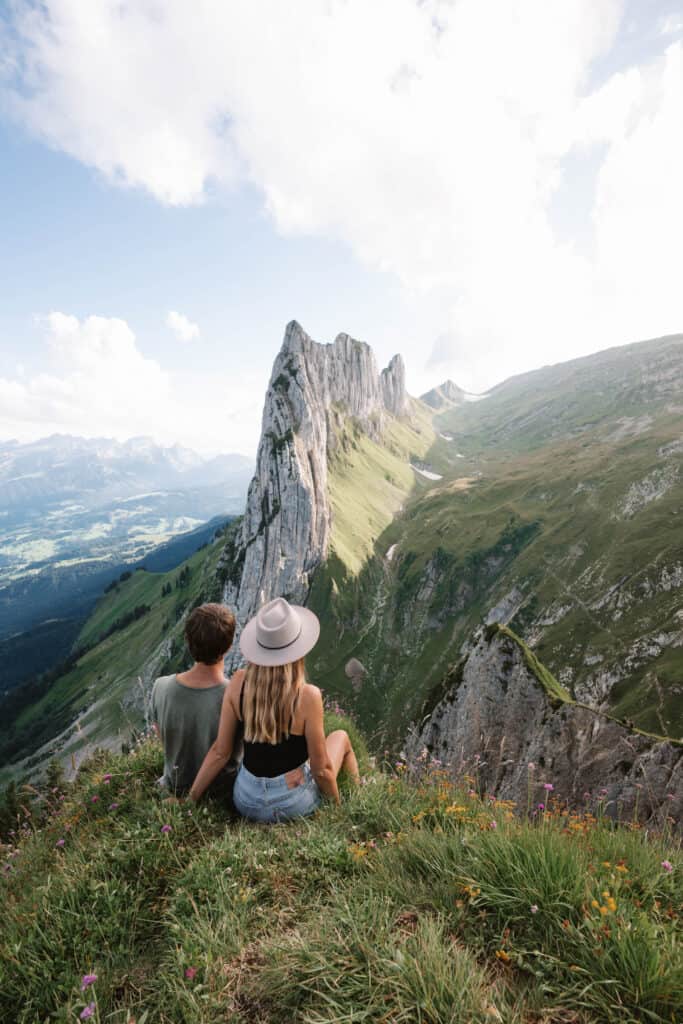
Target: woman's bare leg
341, 754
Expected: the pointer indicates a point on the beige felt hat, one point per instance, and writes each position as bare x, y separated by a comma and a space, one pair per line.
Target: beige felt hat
279, 633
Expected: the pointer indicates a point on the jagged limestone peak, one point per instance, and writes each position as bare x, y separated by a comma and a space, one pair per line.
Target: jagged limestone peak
286, 528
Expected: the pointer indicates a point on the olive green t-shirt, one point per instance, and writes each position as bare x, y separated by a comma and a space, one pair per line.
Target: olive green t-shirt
188, 723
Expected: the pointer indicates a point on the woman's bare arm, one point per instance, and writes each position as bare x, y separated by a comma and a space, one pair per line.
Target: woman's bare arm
314, 730
219, 753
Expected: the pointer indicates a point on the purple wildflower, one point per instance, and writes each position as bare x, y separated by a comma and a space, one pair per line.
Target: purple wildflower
190, 973
667, 865
541, 807
87, 1011
106, 779
88, 979
112, 807
165, 828
548, 787
60, 842
94, 799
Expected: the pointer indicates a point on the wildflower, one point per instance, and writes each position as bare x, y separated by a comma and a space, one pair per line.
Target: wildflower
106, 779
494, 824
548, 787
622, 868
166, 828
533, 908
94, 799
60, 842
604, 911
190, 973
112, 807
87, 1011
606, 864
541, 807
88, 979
603, 792
531, 766
502, 955
667, 865
595, 904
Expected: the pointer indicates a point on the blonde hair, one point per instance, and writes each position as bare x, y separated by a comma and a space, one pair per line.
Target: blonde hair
270, 696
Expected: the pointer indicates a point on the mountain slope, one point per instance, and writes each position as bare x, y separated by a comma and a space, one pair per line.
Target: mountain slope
134, 633
562, 518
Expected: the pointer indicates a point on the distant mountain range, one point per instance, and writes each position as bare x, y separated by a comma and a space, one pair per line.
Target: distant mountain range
74, 511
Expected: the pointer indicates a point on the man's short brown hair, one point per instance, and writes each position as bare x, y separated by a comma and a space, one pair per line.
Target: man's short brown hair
209, 631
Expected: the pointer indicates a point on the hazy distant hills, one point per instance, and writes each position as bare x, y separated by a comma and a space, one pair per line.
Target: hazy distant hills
94, 472
72, 510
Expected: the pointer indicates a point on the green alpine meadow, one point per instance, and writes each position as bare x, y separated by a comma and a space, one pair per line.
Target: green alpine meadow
419, 899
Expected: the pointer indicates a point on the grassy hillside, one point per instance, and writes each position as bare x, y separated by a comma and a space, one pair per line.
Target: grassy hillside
99, 701
419, 900
559, 512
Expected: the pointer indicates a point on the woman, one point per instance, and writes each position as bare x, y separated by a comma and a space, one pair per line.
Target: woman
288, 763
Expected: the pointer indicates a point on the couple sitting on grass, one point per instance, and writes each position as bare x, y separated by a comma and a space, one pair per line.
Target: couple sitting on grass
267, 709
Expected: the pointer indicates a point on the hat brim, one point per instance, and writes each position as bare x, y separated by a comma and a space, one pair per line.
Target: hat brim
255, 653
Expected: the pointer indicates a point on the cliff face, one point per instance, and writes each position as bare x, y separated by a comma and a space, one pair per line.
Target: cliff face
498, 712
286, 528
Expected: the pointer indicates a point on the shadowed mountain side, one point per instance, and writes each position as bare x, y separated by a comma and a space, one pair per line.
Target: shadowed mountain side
501, 714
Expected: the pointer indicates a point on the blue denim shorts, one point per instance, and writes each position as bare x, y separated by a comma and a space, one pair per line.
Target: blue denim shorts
271, 800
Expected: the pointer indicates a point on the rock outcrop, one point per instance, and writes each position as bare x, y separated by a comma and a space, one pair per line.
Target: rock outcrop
286, 527
501, 711
444, 396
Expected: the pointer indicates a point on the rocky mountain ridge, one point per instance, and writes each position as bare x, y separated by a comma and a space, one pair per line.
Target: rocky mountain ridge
444, 396
500, 714
314, 389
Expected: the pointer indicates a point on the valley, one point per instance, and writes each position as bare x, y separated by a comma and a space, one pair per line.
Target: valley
551, 506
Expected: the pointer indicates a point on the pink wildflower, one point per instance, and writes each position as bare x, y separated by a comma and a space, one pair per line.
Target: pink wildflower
533, 908
87, 1011
548, 787
190, 973
112, 807
541, 807
60, 842
94, 799
494, 824
667, 865
88, 979
166, 828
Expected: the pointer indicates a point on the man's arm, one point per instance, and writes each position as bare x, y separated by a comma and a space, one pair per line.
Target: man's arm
322, 768
219, 752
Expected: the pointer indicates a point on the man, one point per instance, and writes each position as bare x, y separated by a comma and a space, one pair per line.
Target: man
186, 707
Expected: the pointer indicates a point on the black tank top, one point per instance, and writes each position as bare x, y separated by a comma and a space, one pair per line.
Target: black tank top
266, 760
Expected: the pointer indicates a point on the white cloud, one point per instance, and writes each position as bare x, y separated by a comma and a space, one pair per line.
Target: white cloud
182, 327
431, 137
99, 383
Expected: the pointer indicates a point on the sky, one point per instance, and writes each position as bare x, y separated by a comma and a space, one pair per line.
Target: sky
485, 186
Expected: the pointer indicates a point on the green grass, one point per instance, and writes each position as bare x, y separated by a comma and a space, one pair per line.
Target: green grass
540, 519
99, 700
404, 904
368, 483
